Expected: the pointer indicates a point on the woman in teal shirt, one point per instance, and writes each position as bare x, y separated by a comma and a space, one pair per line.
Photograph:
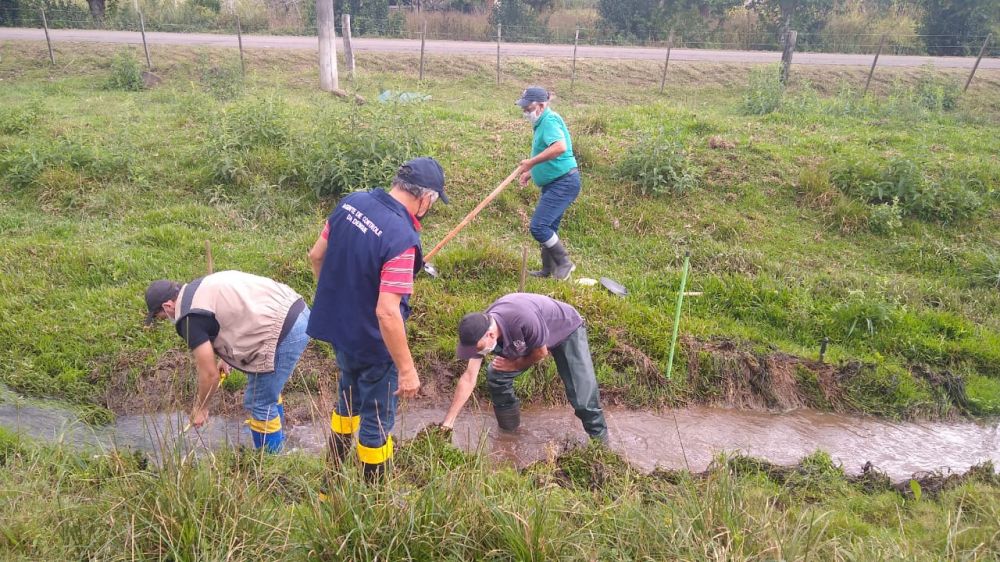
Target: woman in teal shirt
553, 168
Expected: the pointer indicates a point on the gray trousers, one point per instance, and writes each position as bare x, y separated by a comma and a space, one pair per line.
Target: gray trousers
576, 369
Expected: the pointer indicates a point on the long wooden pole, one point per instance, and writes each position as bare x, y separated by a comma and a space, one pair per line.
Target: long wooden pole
145, 47
874, 62
45, 24
786, 55
472, 214
239, 38
423, 44
576, 42
348, 46
979, 58
666, 63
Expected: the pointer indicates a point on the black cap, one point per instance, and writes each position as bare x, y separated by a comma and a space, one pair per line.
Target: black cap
471, 329
159, 292
424, 172
533, 94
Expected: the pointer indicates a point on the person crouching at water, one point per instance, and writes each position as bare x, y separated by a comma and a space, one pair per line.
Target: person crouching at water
251, 323
521, 329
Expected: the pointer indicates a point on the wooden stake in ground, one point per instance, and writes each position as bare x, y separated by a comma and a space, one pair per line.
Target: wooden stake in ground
786, 55
423, 43
498, 53
348, 49
576, 41
145, 47
666, 63
239, 39
979, 58
328, 79
45, 25
874, 62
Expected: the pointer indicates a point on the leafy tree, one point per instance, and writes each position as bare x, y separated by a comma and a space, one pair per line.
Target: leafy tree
520, 19
804, 16
632, 18
957, 27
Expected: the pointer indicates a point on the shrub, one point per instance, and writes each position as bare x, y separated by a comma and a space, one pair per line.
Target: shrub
360, 151
658, 165
936, 92
764, 91
126, 72
903, 181
245, 139
886, 218
18, 120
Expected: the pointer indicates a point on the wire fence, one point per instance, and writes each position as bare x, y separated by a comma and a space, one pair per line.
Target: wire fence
125, 18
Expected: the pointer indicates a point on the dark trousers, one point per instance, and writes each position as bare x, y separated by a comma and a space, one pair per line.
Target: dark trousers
576, 369
555, 199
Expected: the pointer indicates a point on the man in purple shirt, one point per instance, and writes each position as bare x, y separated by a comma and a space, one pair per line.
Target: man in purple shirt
521, 329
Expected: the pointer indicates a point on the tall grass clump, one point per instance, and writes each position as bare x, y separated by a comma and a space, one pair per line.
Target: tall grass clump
764, 91
950, 196
248, 139
224, 81
360, 150
658, 165
18, 120
936, 92
126, 72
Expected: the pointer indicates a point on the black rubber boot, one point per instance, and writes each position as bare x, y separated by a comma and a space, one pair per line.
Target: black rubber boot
340, 445
374, 473
561, 266
546, 264
508, 418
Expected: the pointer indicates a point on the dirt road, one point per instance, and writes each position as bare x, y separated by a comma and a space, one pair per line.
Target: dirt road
487, 49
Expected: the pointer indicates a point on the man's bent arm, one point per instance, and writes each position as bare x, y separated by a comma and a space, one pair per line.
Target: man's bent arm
522, 363
463, 390
208, 374
316, 255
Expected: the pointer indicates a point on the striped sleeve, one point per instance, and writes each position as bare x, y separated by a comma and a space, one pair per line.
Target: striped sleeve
397, 273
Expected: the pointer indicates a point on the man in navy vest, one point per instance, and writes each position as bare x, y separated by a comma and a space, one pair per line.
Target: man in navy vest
364, 262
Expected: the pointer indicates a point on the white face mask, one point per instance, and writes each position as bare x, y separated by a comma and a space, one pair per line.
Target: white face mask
532, 116
490, 346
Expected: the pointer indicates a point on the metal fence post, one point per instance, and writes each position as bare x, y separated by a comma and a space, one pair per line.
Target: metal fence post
874, 62
48, 41
979, 58
145, 47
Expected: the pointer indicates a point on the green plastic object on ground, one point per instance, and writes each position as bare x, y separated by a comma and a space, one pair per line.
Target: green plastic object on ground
677, 313
388, 96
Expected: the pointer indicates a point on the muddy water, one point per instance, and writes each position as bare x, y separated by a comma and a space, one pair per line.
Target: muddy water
647, 439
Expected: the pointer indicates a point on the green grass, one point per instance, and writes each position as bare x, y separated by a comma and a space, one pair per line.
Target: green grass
441, 504
105, 190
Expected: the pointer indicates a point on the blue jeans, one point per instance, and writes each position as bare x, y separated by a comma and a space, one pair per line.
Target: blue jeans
556, 198
263, 389
367, 392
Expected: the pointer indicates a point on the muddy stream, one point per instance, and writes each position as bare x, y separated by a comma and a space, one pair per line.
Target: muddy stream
647, 439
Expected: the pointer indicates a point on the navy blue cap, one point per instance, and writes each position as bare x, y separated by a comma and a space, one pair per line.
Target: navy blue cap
471, 329
533, 94
424, 172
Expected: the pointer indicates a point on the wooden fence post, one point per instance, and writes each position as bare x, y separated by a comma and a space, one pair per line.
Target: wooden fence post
239, 38
348, 48
979, 58
145, 47
423, 44
48, 41
786, 54
328, 79
498, 52
874, 62
666, 63
576, 42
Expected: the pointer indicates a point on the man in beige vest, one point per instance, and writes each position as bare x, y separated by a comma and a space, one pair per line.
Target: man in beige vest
252, 323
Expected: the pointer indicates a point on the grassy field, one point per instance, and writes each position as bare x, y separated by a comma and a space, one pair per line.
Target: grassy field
441, 504
809, 214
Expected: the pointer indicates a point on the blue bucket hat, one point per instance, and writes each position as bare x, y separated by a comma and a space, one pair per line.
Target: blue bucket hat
425, 172
533, 94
